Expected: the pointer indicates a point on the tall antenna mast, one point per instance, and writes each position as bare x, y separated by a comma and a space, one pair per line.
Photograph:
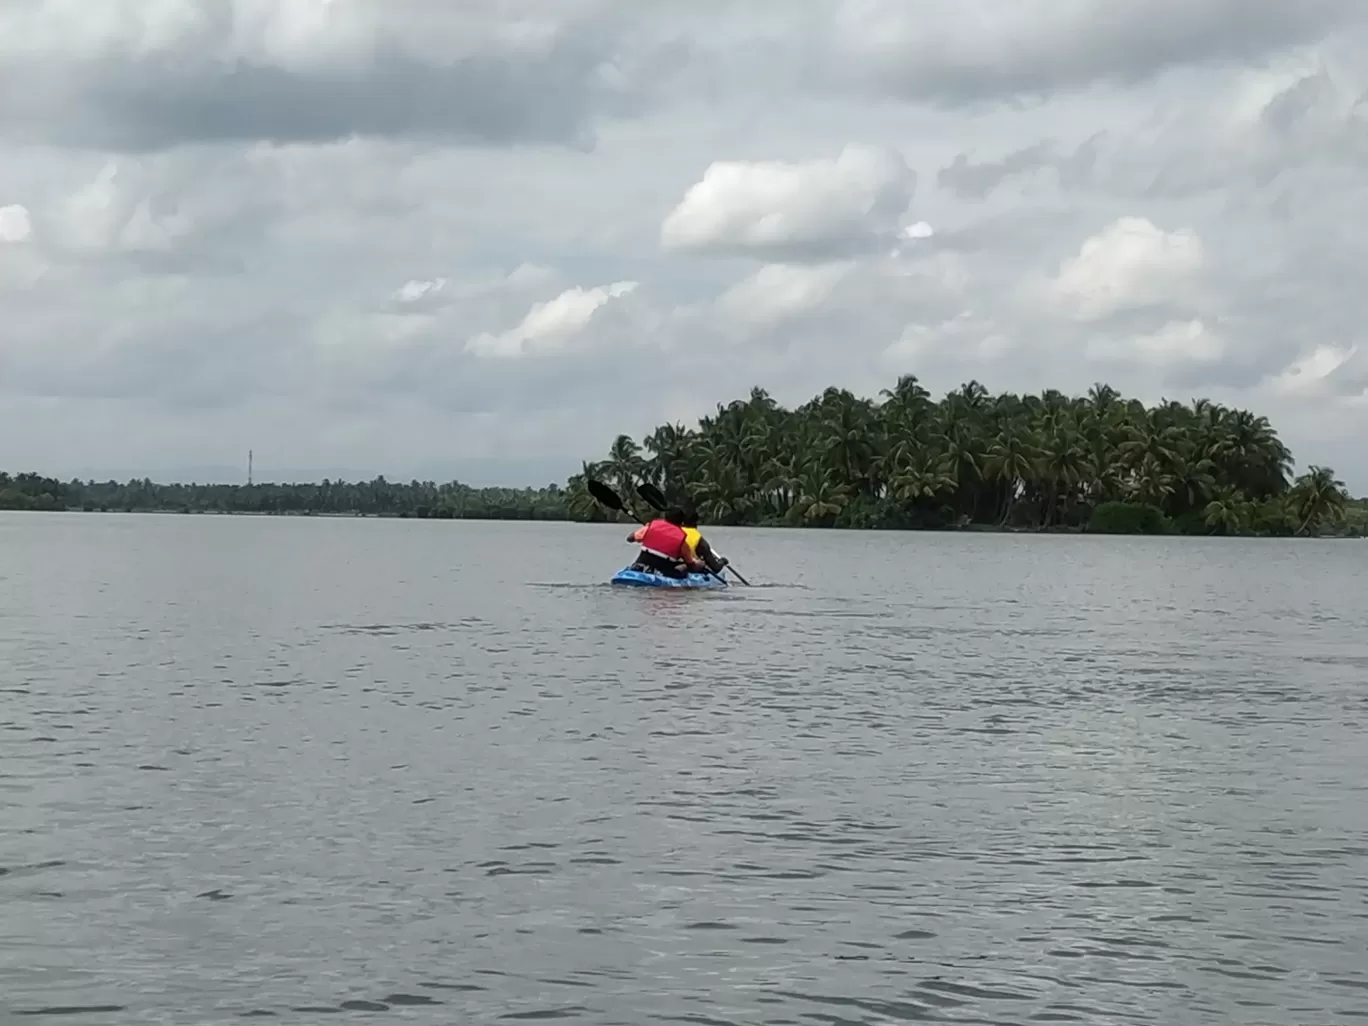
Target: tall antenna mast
249, 468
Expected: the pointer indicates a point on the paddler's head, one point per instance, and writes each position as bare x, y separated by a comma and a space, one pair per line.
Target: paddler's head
674, 515
690, 517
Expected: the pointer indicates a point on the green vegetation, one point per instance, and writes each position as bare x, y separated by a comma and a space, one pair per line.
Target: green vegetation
974, 460
369, 498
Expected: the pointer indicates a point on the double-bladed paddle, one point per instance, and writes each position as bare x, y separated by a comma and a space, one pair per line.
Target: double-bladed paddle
607, 497
611, 499
654, 497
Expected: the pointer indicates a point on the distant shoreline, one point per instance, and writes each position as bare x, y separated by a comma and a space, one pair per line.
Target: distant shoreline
971, 461
995, 529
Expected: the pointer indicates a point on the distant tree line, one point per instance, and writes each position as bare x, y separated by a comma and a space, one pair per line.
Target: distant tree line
1097, 462
369, 498
971, 460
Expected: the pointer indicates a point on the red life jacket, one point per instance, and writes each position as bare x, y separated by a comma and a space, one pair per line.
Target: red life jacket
664, 539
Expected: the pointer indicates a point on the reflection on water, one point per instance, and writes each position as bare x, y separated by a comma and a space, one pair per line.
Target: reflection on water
287, 769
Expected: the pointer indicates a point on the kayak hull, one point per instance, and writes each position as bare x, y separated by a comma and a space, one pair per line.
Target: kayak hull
643, 579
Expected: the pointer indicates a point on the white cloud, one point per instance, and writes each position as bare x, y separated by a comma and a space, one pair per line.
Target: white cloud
1309, 375
15, 223
92, 217
550, 325
134, 28
945, 272
21, 265
1177, 342
779, 291
822, 204
1132, 263
103, 216
529, 274
412, 291
964, 338
524, 280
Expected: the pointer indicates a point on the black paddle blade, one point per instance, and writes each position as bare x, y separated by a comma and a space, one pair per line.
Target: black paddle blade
604, 494
652, 495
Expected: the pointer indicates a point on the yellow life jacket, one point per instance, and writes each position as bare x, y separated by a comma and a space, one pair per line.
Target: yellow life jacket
691, 537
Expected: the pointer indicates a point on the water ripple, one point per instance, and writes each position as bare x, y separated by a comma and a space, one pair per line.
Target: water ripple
364, 770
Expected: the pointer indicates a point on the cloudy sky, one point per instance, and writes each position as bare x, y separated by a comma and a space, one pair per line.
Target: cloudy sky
429, 237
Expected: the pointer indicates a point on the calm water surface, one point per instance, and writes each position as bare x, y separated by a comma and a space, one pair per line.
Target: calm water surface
427, 772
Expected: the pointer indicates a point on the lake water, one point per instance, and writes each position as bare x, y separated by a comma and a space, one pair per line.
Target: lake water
437, 773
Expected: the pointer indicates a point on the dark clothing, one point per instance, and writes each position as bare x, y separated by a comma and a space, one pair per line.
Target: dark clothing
654, 564
705, 553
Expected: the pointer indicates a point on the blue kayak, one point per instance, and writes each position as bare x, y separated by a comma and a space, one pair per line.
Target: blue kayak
644, 579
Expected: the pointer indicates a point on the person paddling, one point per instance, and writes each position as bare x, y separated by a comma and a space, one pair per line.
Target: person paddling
664, 546
699, 546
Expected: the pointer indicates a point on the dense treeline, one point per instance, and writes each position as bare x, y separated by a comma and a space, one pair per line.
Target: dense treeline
1097, 462
972, 460
370, 498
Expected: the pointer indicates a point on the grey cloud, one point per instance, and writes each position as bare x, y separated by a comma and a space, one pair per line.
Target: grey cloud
1191, 380
1291, 107
115, 102
271, 313
148, 107
193, 212
1076, 169
1018, 241
975, 181
432, 365
1350, 379
924, 51
815, 251
179, 360
1311, 119
1211, 147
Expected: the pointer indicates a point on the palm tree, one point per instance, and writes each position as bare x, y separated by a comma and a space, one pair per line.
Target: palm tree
927, 479
820, 498
1047, 459
625, 464
669, 449
579, 503
1228, 513
1064, 467
1318, 495
1014, 460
